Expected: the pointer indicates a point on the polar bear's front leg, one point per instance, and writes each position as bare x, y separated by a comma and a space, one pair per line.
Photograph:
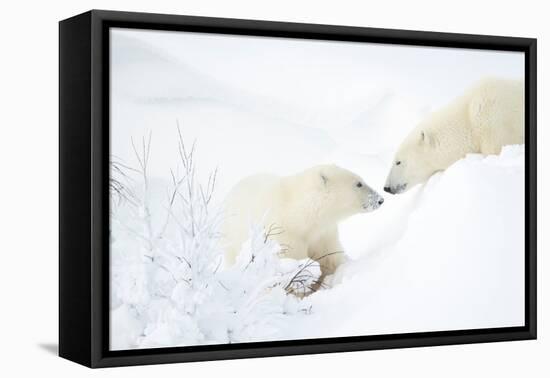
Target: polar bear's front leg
292, 247
328, 251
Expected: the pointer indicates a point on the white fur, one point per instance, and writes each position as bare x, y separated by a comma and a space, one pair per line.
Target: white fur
301, 212
483, 120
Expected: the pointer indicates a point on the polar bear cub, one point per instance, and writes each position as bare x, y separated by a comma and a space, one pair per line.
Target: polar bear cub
305, 208
483, 120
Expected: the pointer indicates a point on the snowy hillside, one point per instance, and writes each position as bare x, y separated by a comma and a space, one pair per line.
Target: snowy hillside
422, 262
154, 92
444, 255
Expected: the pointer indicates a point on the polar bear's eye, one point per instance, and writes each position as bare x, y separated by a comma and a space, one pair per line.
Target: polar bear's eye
397, 162
359, 184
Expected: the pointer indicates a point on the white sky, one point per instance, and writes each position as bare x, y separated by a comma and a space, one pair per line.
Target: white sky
327, 71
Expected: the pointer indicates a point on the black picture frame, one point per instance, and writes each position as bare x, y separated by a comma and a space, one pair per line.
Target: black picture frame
84, 198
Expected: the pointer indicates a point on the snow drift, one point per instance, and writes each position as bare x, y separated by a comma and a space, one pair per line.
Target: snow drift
424, 260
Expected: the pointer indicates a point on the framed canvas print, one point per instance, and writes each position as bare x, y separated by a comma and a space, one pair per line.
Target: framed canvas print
235, 188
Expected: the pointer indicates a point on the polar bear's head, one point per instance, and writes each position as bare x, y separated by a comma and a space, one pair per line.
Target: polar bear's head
343, 192
415, 161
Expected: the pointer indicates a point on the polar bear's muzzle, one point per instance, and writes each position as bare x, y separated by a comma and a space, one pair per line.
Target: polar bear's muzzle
396, 189
374, 201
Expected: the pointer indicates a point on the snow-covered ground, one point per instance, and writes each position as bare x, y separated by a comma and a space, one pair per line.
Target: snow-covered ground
445, 255
448, 256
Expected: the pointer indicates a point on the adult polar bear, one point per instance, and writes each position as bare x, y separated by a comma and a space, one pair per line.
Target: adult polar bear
488, 116
305, 208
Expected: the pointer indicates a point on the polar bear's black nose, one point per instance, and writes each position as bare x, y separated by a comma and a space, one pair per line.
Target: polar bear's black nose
387, 189
381, 201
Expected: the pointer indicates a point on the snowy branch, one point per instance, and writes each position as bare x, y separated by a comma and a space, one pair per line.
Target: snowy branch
167, 262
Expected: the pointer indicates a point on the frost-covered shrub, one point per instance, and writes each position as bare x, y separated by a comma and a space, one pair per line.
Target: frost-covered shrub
168, 283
